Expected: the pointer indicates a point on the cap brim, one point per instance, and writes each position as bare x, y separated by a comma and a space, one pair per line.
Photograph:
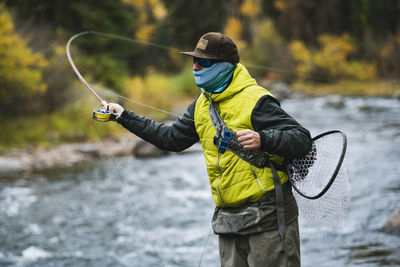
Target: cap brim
199, 55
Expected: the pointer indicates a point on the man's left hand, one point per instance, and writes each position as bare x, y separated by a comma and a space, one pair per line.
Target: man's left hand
248, 139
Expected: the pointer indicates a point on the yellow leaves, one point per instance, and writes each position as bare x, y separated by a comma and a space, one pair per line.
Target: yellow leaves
136, 3
250, 8
159, 11
338, 47
280, 5
156, 5
146, 10
134, 88
20, 68
303, 56
154, 89
6, 25
269, 34
145, 32
233, 28
300, 51
361, 71
160, 90
331, 61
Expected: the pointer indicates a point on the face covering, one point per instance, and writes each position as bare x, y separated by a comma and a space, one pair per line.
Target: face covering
216, 78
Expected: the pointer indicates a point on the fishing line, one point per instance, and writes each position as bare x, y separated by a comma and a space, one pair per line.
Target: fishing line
132, 203
99, 115
112, 93
205, 246
90, 87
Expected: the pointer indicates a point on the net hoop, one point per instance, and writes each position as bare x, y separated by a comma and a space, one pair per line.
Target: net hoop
335, 173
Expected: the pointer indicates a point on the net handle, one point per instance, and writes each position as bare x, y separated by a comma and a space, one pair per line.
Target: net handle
338, 166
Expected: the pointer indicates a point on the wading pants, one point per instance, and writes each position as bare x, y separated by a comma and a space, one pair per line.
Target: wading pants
261, 249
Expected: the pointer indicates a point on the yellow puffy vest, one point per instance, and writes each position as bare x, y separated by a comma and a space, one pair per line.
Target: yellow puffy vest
233, 181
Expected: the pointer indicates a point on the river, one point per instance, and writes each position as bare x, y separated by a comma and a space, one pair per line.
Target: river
157, 212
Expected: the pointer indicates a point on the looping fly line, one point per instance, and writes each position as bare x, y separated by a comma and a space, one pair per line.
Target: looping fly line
104, 115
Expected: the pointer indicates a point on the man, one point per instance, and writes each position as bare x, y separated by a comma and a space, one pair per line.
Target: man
257, 225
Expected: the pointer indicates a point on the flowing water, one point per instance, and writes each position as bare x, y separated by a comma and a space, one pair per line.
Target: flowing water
157, 212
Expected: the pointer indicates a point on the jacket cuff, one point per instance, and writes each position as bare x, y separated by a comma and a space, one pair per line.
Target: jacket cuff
262, 141
266, 137
124, 115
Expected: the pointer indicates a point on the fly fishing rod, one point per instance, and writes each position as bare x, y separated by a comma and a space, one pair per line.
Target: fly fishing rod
99, 114
104, 115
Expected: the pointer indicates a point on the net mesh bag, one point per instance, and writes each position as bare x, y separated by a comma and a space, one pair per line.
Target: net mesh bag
331, 207
312, 174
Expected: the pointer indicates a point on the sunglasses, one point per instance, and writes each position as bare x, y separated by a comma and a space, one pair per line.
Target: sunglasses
204, 62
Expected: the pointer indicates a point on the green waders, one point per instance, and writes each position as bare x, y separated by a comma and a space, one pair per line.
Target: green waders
261, 249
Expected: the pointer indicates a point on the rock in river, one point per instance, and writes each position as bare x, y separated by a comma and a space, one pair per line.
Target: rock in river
10, 166
393, 223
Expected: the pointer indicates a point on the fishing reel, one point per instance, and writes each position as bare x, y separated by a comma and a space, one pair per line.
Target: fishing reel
104, 115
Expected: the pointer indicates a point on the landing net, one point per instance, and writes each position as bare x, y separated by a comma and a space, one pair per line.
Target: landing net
322, 187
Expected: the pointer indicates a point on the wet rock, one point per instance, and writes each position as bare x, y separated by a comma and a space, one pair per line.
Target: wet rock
371, 108
18, 161
393, 222
144, 149
11, 166
62, 156
281, 90
397, 94
335, 101
91, 150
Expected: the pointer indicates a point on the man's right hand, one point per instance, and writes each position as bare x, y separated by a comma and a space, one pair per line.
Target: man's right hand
114, 107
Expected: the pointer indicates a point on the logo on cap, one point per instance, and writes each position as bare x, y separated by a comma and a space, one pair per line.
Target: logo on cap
202, 44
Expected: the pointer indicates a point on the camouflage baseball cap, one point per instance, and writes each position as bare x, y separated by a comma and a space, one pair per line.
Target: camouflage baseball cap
215, 45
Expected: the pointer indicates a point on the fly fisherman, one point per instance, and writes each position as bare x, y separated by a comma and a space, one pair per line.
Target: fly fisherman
246, 139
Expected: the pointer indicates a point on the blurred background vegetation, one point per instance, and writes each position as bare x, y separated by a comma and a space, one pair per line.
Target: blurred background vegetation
332, 46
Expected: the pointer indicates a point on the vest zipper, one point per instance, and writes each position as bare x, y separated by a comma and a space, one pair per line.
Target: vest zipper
220, 177
255, 176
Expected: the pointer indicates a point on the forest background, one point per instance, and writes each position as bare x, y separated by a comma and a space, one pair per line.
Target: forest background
317, 47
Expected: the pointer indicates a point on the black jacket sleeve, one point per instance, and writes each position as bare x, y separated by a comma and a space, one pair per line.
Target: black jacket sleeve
280, 133
177, 137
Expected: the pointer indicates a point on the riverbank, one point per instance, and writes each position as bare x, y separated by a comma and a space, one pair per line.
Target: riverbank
25, 161
19, 161
16, 161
